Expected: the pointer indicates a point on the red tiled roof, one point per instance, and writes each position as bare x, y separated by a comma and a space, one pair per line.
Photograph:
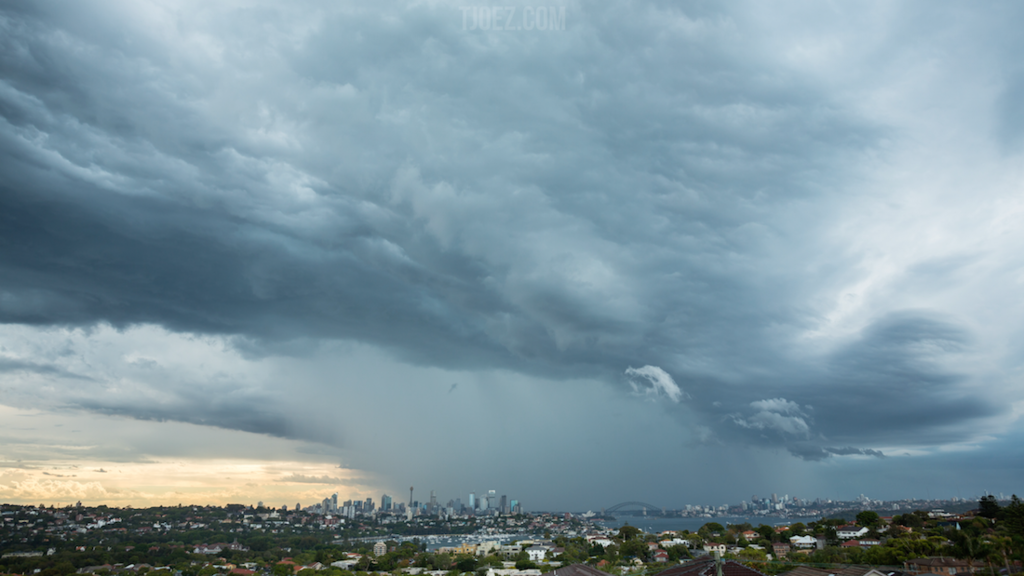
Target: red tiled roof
578, 570
706, 567
806, 571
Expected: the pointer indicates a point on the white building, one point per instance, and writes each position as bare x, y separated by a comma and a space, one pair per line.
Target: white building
848, 532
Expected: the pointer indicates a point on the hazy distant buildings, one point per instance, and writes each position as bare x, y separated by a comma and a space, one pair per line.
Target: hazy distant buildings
490, 504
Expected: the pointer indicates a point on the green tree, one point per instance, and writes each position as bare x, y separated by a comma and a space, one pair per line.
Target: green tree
1013, 517
988, 507
628, 532
868, 519
831, 537
523, 561
678, 552
711, 528
466, 563
635, 548
752, 554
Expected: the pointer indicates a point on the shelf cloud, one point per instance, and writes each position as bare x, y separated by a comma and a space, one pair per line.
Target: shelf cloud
794, 236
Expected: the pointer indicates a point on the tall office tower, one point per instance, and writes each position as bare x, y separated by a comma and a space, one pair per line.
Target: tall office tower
325, 506
775, 498
298, 507
410, 496
334, 502
432, 509
472, 501
368, 506
492, 499
513, 506
502, 507
385, 502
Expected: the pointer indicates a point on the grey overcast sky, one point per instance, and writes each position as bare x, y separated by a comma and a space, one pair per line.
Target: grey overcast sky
659, 251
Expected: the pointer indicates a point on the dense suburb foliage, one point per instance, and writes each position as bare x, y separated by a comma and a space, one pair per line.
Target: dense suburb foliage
993, 538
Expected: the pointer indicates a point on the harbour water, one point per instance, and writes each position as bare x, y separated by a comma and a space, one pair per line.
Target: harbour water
656, 524
649, 524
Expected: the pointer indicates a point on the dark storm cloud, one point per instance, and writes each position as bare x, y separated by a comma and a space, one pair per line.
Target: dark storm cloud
890, 385
10, 365
649, 188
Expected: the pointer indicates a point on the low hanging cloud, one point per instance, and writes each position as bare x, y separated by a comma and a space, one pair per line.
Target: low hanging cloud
778, 415
654, 382
813, 452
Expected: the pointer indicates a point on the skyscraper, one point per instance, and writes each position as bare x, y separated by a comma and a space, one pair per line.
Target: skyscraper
409, 511
385, 502
472, 501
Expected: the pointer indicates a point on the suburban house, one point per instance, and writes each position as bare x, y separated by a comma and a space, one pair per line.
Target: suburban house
577, 570
600, 541
848, 571
803, 542
849, 532
487, 548
510, 551
946, 566
712, 548
863, 543
207, 549
709, 567
537, 553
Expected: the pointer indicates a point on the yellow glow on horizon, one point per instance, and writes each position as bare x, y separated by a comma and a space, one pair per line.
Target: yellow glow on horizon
179, 481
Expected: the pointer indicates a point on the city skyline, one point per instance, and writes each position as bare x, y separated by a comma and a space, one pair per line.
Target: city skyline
656, 252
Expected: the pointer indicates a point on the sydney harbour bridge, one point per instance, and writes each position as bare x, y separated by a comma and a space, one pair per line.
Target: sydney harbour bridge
643, 506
